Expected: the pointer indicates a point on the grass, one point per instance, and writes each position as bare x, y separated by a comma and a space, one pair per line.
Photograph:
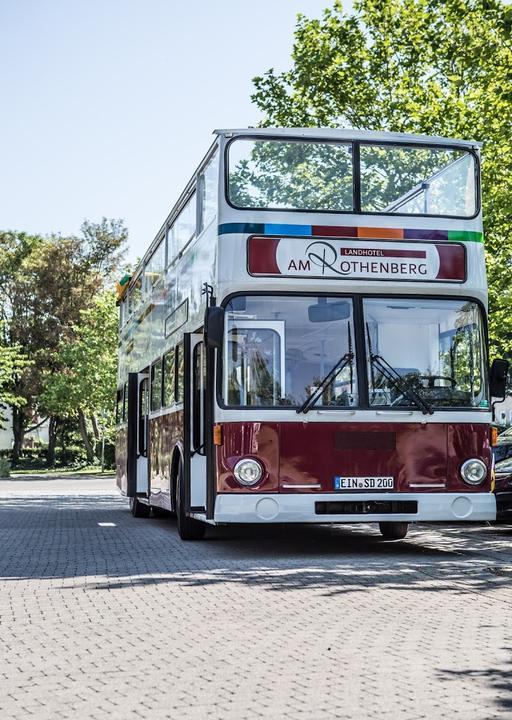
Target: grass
87, 470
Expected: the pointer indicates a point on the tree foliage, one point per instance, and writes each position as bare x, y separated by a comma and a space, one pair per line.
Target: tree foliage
46, 283
440, 67
87, 363
12, 364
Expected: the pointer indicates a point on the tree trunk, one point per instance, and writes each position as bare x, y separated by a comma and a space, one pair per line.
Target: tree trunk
95, 428
52, 440
85, 437
18, 430
97, 436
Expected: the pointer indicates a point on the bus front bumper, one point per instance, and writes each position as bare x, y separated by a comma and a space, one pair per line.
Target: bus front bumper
356, 507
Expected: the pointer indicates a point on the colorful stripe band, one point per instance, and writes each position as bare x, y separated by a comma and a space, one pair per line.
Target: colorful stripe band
351, 232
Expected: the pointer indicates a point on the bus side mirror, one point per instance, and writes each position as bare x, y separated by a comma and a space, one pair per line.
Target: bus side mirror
498, 378
214, 326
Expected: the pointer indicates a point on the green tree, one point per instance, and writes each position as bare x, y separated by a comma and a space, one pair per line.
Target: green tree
45, 283
84, 386
12, 363
440, 67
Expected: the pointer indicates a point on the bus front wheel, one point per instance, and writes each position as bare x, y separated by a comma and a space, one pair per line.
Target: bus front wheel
393, 530
188, 528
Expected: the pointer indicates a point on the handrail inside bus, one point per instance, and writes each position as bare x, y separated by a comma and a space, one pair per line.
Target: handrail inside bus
420, 187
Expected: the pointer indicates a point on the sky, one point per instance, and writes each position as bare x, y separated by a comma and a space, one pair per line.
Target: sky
109, 105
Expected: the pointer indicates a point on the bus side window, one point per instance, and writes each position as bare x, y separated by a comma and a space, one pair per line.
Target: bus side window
135, 296
125, 401
154, 268
179, 373
119, 406
208, 193
156, 386
168, 378
143, 417
182, 230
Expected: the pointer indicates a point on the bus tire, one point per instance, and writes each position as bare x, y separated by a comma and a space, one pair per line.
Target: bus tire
393, 530
188, 528
138, 508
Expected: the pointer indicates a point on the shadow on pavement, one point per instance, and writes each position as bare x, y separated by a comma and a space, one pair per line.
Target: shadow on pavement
497, 678
66, 537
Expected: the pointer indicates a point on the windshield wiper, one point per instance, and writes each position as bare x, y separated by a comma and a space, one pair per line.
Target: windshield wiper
311, 400
395, 379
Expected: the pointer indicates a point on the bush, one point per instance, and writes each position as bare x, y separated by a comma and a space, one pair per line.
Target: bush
5, 468
30, 459
110, 455
70, 456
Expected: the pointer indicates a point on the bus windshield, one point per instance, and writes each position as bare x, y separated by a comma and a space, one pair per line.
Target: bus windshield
435, 347
280, 351
318, 176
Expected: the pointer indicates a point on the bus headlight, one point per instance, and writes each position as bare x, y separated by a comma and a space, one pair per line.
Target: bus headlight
473, 471
248, 471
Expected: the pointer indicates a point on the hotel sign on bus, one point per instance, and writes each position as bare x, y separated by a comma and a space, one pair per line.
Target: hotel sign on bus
356, 260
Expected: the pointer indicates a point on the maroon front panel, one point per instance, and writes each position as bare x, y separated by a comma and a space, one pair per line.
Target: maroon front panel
253, 439
420, 457
467, 441
317, 452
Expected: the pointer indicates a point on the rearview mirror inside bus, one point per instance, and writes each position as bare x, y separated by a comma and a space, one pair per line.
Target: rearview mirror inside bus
214, 326
323, 311
498, 378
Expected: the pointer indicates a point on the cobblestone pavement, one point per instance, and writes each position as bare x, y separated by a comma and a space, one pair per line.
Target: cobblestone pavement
108, 616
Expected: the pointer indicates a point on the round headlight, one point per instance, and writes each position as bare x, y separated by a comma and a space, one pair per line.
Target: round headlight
473, 471
248, 471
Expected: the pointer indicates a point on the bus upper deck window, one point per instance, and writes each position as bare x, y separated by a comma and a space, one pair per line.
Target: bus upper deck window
416, 180
291, 174
182, 230
154, 268
208, 193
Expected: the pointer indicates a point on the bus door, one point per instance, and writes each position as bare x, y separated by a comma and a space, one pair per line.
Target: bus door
138, 433
196, 404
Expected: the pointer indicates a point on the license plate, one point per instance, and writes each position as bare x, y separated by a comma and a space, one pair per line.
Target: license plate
363, 483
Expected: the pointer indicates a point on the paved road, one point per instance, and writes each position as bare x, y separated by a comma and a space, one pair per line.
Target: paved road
107, 616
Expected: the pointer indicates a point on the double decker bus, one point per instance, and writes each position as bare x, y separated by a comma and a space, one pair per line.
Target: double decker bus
305, 340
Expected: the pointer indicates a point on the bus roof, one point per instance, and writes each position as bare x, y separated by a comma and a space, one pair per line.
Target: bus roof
348, 134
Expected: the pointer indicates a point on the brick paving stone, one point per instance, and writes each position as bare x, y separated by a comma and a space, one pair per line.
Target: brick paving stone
126, 621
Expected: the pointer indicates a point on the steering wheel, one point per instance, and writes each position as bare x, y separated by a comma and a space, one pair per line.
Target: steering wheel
432, 378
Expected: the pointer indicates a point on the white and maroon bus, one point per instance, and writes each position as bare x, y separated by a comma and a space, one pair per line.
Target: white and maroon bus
305, 339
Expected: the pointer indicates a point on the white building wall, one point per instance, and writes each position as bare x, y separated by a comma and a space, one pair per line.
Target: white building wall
6, 435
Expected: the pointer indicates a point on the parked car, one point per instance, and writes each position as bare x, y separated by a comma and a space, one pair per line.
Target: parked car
502, 452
